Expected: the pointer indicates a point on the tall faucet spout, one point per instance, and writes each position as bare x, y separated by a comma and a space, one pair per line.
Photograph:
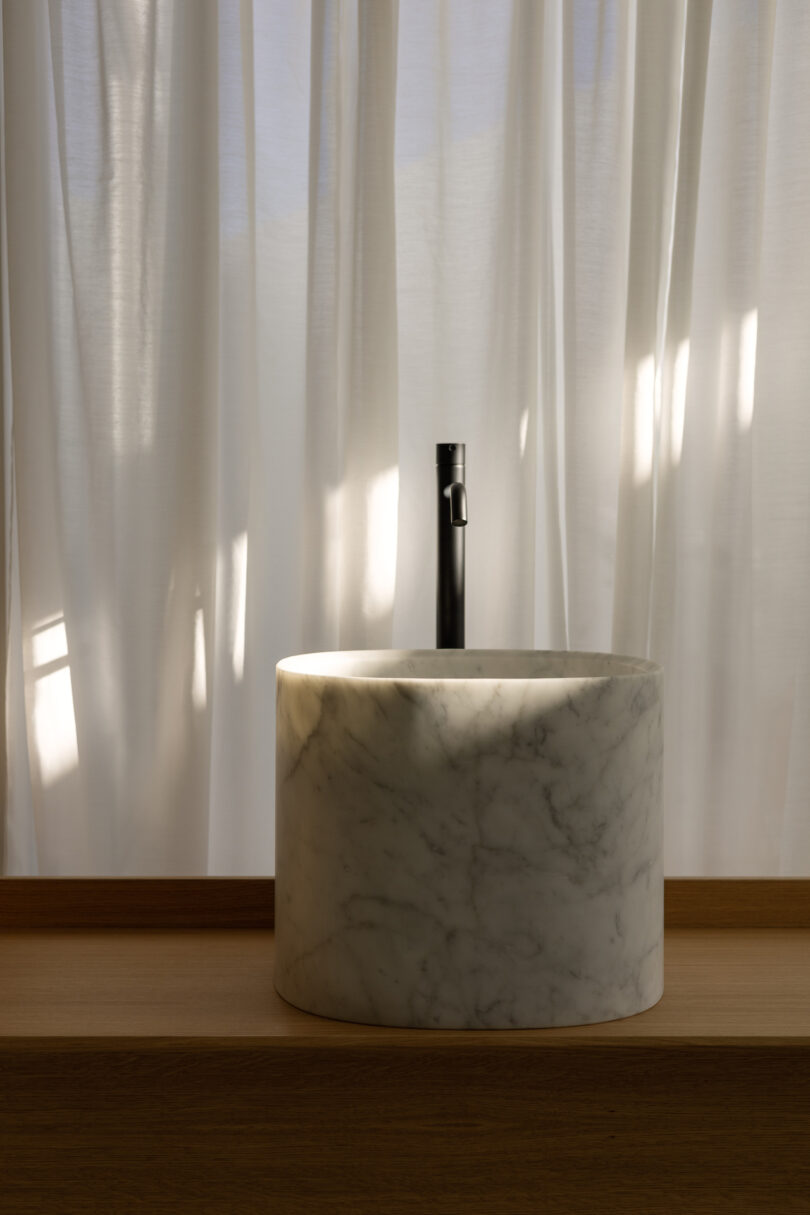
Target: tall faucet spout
452, 520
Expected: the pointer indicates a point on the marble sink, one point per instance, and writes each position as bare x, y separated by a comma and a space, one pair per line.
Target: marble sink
469, 838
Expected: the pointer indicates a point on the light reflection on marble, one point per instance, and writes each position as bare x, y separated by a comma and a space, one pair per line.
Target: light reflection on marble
469, 839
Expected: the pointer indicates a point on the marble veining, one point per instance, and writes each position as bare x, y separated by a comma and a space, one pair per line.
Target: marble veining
469, 839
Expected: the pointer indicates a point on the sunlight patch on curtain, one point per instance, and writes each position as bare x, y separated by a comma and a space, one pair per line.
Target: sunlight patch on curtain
644, 415
748, 362
678, 404
381, 547
199, 681
239, 556
54, 721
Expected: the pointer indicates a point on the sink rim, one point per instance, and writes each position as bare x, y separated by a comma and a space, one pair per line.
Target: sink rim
620, 666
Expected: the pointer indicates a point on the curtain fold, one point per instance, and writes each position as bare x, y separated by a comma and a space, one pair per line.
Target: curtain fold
257, 259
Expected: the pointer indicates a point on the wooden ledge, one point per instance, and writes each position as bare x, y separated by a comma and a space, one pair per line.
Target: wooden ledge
737, 902
78, 902
81, 902
157, 1069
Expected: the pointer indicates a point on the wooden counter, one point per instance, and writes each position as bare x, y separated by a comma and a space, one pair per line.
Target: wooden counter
157, 1070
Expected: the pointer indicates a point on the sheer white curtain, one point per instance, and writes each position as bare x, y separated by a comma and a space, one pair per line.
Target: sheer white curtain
257, 258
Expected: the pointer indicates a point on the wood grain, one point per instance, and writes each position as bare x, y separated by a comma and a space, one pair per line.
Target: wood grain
737, 902
79, 902
159, 1071
249, 902
729, 987
378, 1132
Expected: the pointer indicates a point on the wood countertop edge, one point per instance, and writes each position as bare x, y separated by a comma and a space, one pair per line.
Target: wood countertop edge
390, 1049
434, 1041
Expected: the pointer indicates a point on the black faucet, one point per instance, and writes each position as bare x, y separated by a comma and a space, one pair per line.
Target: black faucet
452, 518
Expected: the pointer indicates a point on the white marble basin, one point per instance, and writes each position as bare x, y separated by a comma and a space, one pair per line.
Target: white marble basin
469, 838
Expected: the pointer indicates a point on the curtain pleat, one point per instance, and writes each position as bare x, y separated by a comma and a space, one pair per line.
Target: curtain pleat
258, 259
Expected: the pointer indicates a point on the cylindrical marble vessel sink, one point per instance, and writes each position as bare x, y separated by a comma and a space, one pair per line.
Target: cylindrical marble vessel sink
469, 838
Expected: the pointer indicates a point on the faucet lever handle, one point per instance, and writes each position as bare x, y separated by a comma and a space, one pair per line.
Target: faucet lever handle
458, 504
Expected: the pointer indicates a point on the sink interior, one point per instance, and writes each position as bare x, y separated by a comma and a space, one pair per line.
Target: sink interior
466, 664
